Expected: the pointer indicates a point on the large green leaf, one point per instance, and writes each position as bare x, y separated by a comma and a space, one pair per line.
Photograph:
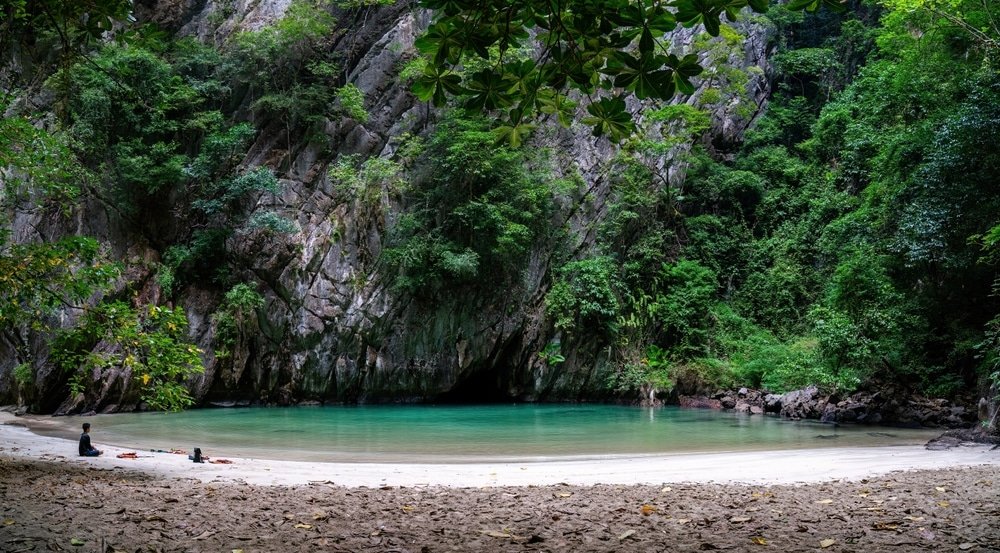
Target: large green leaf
647, 76
608, 117
553, 103
660, 20
707, 12
523, 76
515, 131
435, 85
481, 38
442, 42
683, 69
489, 90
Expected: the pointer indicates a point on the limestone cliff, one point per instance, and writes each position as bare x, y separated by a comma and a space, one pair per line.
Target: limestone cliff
333, 329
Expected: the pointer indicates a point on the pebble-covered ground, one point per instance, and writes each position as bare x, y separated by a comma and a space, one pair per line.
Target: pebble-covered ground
53, 506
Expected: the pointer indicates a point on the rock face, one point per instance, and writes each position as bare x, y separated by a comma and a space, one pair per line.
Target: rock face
887, 405
332, 328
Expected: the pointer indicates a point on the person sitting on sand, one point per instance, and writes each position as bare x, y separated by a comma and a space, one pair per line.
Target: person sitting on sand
87, 450
196, 457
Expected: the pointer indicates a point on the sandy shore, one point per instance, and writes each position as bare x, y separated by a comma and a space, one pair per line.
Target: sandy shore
898, 499
768, 467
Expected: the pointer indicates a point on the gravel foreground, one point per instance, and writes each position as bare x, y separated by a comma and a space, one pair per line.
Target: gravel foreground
54, 505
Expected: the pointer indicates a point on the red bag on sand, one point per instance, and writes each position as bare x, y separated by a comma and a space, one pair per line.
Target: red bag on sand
129, 455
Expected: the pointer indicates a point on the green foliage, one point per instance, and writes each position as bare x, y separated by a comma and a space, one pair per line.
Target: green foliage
271, 223
366, 181
38, 170
840, 233
552, 354
75, 23
654, 370
352, 100
751, 355
863, 222
475, 216
783, 366
223, 197
779, 295
787, 124
586, 46
694, 120
37, 279
146, 117
720, 244
583, 296
975, 20
682, 303
807, 63
289, 70
236, 318
36, 163
221, 149
291, 41
150, 344
127, 100
637, 225
682, 124
426, 260
723, 59
989, 348
23, 375
146, 122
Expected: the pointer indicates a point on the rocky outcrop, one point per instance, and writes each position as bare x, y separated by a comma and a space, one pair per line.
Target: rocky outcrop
959, 437
887, 405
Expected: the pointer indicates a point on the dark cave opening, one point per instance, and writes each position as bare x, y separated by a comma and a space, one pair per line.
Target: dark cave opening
486, 385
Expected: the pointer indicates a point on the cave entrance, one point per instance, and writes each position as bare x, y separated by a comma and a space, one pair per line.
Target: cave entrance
486, 385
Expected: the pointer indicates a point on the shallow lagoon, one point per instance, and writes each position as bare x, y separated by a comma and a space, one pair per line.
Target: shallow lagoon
450, 433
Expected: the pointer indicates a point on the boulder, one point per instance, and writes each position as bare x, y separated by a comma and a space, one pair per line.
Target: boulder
728, 402
699, 402
830, 413
943, 442
850, 411
772, 403
801, 404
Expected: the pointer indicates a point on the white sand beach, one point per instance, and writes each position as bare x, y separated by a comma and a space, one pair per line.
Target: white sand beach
767, 467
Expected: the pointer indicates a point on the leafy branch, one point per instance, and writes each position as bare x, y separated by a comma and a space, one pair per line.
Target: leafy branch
602, 49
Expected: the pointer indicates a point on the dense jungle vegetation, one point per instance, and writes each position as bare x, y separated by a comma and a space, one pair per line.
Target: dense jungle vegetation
853, 235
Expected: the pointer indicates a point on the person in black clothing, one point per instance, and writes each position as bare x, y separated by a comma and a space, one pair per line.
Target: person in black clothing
86, 449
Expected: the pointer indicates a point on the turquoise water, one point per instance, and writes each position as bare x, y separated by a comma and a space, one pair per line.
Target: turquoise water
474, 433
